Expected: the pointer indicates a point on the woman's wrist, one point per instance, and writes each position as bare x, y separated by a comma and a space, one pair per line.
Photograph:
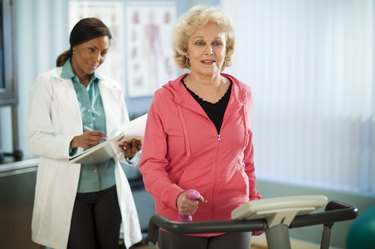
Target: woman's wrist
73, 143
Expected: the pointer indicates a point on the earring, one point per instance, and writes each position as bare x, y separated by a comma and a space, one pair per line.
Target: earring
224, 64
187, 62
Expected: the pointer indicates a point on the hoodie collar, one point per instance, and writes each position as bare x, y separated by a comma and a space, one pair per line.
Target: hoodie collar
183, 97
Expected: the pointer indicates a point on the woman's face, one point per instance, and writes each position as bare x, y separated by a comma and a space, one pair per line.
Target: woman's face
206, 50
88, 56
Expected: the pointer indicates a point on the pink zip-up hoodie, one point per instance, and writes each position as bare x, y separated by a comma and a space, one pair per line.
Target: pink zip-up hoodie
182, 150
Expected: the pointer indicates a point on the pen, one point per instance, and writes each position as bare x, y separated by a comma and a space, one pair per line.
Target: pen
87, 128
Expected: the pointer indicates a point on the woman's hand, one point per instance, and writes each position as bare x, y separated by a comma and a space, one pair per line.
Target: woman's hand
88, 139
186, 206
130, 148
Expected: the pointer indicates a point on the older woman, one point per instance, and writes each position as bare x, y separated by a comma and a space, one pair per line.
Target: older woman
199, 135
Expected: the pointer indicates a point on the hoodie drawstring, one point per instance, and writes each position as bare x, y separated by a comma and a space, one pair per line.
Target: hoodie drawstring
184, 128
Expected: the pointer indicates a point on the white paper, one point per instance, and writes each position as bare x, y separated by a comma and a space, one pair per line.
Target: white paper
109, 148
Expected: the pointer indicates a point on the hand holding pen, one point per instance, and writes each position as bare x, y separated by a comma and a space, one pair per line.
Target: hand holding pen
88, 139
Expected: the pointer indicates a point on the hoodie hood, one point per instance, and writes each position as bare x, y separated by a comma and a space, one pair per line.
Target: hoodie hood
239, 93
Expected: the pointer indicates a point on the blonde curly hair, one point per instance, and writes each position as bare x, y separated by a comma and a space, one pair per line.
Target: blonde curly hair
195, 18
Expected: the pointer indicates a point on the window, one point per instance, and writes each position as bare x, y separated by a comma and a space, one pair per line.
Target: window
7, 88
311, 67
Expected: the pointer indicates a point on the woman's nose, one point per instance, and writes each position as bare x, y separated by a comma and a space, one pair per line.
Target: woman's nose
209, 50
98, 57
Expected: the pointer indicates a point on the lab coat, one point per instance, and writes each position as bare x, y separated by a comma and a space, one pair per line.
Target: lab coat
54, 119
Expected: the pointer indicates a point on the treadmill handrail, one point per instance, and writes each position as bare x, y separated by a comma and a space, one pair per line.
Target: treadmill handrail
335, 211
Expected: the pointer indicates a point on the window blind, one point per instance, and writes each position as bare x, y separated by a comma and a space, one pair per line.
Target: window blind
311, 67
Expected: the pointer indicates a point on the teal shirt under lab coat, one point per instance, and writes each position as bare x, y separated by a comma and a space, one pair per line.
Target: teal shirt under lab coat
99, 176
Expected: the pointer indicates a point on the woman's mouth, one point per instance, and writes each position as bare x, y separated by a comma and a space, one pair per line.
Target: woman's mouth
92, 66
207, 62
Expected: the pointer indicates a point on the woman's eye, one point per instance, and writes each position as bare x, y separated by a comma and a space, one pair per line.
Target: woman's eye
91, 50
217, 43
199, 43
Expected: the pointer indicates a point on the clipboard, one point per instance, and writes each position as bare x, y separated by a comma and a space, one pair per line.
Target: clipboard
100, 152
109, 148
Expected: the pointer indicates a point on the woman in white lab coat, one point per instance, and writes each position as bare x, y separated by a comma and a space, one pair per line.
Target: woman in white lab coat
80, 206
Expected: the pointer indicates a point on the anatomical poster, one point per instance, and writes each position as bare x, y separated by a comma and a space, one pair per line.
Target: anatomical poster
149, 63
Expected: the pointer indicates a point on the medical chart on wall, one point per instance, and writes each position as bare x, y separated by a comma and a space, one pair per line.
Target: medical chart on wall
148, 46
112, 14
140, 54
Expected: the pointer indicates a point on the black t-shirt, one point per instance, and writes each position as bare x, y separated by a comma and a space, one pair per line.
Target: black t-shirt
214, 111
